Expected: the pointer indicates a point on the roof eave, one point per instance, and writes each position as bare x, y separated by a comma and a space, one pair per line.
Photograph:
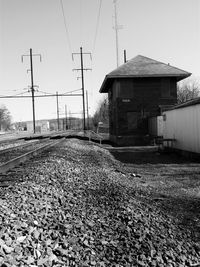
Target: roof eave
182, 76
104, 89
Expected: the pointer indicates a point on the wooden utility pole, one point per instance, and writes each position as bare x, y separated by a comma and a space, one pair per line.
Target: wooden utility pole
57, 111
32, 89
125, 56
32, 83
87, 110
82, 79
66, 126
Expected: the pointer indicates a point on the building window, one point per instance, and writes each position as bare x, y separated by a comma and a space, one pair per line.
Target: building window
165, 88
126, 90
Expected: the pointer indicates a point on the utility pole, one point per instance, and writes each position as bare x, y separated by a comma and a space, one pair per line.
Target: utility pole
57, 111
69, 119
32, 89
87, 110
125, 56
117, 27
66, 126
82, 79
32, 83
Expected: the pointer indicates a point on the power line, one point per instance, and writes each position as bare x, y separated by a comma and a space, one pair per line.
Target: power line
97, 26
73, 91
68, 92
46, 94
16, 94
66, 28
37, 96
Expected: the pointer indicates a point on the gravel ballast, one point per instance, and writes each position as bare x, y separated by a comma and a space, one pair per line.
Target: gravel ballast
76, 208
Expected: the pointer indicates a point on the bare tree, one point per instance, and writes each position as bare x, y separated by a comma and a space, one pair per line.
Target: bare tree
101, 115
188, 89
5, 118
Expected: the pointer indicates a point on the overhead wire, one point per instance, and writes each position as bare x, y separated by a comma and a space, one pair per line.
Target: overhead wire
81, 22
22, 93
95, 38
73, 91
67, 31
62, 93
46, 93
97, 26
66, 28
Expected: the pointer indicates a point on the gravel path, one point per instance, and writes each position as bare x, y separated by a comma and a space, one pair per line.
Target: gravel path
76, 208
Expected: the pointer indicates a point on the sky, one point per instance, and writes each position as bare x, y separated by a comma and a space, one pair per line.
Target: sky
165, 30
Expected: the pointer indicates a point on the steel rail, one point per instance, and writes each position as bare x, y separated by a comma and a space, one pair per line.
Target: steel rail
18, 160
18, 146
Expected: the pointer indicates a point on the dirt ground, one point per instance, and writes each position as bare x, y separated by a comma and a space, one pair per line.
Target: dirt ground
169, 180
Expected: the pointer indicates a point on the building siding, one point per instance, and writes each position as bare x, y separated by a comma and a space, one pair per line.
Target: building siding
132, 101
183, 124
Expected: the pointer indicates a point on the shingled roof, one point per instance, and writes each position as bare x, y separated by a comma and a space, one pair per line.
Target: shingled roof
139, 67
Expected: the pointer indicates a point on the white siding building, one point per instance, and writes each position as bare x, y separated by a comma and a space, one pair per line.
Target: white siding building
182, 123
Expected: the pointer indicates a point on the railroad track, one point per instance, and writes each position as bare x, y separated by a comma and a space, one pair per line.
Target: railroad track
11, 158
8, 146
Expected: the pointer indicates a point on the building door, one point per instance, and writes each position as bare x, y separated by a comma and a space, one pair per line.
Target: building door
132, 120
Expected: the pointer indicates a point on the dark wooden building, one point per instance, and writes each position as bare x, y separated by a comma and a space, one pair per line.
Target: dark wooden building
137, 90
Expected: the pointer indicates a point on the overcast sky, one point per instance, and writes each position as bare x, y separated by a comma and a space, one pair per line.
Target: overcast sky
165, 30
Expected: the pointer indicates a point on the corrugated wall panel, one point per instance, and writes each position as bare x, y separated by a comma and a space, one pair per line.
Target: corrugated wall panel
183, 124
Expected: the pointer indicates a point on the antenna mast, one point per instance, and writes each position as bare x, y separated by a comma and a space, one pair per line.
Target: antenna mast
116, 28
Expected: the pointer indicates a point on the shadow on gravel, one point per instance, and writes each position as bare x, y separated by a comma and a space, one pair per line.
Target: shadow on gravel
185, 210
184, 207
106, 195
151, 158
